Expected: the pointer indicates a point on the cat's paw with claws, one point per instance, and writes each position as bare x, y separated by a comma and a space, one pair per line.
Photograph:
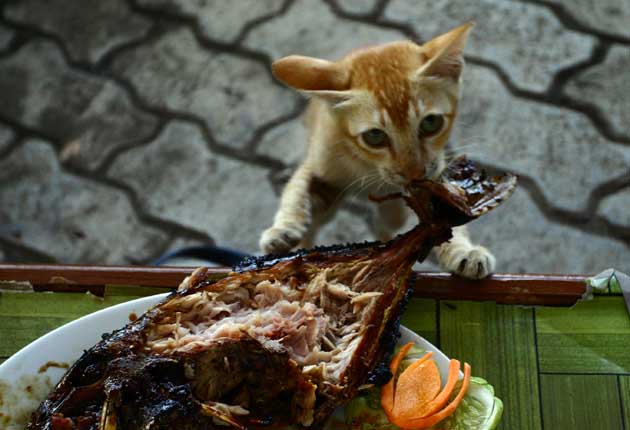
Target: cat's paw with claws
276, 240
473, 262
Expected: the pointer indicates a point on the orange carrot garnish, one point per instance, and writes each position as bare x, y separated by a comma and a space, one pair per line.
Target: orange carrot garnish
416, 386
431, 420
418, 362
387, 392
413, 400
441, 399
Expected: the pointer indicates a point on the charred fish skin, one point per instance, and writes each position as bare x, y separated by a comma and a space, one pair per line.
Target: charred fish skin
140, 387
255, 262
282, 340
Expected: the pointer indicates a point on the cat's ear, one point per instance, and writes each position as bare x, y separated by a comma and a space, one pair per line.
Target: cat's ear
311, 74
445, 54
315, 77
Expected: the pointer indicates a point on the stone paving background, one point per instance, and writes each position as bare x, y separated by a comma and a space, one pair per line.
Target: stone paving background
132, 127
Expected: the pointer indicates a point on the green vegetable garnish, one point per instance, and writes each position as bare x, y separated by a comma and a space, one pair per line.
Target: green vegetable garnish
479, 409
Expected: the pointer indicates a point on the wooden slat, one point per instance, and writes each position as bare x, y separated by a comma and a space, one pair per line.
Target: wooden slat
592, 337
548, 290
59, 305
16, 333
420, 317
499, 344
25, 317
503, 288
580, 402
624, 391
43, 274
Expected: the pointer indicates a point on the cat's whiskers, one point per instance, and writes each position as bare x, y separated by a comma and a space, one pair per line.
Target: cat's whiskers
448, 158
472, 148
361, 179
380, 186
469, 143
369, 182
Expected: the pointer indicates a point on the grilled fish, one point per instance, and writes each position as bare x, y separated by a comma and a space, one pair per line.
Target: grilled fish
282, 340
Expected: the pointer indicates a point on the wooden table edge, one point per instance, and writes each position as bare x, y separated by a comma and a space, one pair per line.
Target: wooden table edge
504, 288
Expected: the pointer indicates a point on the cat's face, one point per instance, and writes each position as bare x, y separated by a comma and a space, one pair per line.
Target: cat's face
395, 121
395, 104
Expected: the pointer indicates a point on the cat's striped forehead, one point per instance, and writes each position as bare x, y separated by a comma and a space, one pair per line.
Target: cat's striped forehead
385, 72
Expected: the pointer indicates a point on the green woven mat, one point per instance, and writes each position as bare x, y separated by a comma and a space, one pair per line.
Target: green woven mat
553, 368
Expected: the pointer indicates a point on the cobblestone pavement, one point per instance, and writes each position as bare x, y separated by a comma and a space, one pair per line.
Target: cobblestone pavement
131, 127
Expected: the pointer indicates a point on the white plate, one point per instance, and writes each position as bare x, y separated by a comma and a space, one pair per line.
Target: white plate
25, 380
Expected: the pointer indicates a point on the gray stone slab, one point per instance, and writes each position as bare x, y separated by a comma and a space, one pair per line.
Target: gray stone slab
12, 254
559, 149
219, 19
177, 178
89, 28
359, 7
69, 218
286, 142
233, 95
607, 85
525, 40
616, 207
524, 241
68, 105
310, 28
6, 137
608, 16
6, 35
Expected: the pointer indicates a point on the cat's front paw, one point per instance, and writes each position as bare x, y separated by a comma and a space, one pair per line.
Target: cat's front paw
276, 240
473, 262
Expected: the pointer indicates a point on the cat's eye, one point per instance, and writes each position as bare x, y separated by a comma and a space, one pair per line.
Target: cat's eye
375, 138
430, 125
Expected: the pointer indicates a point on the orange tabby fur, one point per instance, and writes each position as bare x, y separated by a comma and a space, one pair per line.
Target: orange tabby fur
394, 89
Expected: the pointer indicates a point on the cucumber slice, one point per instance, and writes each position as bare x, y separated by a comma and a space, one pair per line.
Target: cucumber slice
479, 409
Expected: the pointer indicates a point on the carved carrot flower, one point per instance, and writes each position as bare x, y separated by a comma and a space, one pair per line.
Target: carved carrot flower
413, 399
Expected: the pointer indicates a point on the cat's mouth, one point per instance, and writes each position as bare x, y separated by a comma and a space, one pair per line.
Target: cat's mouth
432, 171
403, 182
461, 193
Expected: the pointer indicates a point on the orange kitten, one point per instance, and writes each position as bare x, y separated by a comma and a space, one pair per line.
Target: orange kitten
381, 116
